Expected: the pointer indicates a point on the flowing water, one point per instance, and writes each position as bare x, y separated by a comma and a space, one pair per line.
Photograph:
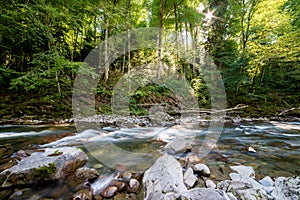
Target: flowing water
277, 145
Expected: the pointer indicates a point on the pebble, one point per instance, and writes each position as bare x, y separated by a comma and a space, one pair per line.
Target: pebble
97, 166
133, 185
210, 184
202, 170
250, 149
110, 192
84, 194
126, 176
87, 173
120, 185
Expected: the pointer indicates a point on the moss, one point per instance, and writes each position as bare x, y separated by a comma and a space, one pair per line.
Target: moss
45, 172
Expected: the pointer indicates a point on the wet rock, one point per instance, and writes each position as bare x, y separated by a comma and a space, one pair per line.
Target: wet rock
109, 192
120, 196
133, 185
6, 150
180, 145
97, 166
9, 164
126, 176
189, 178
210, 184
98, 197
163, 177
57, 192
40, 167
87, 173
244, 170
84, 194
5, 194
202, 170
21, 194
21, 154
120, 185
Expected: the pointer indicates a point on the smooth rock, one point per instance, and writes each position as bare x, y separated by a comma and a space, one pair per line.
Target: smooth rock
203, 194
180, 145
84, 194
189, 178
267, 181
109, 192
120, 185
133, 185
40, 167
163, 177
210, 184
126, 176
87, 173
201, 169
244, 170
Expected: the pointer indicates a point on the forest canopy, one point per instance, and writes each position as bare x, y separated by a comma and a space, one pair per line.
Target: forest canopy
254, 43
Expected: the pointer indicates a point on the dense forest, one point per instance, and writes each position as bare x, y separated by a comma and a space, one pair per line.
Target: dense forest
254, 43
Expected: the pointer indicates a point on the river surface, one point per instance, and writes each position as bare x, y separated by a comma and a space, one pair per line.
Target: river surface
277, 145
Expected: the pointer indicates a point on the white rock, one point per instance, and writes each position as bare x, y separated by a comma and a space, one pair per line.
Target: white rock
231, 196
244, 170
250, 149
201, 169
180, 145
267, 181
163, 177
210, 184
286, 188
189, 178
203, 194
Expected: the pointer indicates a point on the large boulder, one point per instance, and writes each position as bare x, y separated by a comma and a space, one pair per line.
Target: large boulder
163, 177
203, 194
178, 146
44, 166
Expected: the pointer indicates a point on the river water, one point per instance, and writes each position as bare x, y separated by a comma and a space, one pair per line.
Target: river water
277, 144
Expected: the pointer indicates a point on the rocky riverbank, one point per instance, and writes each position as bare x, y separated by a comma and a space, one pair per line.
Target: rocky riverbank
175, 175
132, 121
167, 179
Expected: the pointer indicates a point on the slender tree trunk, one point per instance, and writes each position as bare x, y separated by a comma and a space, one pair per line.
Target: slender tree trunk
176, 32
128, 35
57, 83
106, 65
159, 53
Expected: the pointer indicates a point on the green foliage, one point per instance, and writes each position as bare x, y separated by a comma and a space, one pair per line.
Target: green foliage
45, 172
255, 45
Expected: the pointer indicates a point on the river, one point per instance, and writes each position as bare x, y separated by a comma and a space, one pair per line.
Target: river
277, 144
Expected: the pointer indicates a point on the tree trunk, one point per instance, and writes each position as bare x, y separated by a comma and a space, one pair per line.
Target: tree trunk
159, 52
106, 64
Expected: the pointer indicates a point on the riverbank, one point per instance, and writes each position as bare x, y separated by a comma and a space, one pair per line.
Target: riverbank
138, 121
